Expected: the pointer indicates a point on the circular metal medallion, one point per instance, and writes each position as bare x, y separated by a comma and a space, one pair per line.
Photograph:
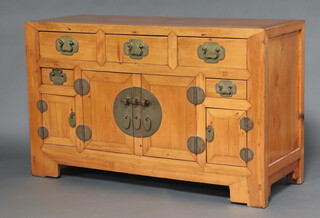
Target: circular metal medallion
137, 112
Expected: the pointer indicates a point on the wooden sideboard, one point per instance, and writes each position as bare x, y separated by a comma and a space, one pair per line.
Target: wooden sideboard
208, 100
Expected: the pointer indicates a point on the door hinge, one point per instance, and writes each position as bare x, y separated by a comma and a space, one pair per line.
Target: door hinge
42, 106
83, 133
246, 154
81, 87
195, 95
43, 132
246, 124
196, 144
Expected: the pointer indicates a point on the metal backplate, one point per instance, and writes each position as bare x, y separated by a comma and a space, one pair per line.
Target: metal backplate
246, 124
67, 45
209, 133
137, 112
81, 86
83, 133
57, 76
72, 119
42, 106
211, 52
226, 88
136, 49
196, 144
246, 154
195, 95
43, 132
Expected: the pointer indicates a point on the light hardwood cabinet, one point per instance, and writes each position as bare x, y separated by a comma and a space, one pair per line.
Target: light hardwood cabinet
216, 101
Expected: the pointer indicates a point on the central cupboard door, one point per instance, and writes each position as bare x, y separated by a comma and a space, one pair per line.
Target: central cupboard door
98, 111
178, 117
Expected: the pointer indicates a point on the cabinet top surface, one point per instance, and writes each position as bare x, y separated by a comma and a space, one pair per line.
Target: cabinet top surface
171, 21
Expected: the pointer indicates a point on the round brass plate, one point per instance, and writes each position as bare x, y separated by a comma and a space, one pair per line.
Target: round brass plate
137, 112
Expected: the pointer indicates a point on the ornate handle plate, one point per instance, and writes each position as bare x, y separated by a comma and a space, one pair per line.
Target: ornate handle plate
211, 52
136, 49
67, 45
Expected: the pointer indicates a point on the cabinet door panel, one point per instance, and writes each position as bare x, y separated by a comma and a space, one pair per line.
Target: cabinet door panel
98, 111
56, 120
178, 117
229, 138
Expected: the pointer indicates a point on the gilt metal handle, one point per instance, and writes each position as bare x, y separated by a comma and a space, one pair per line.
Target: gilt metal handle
211, 52
67, 45
136, 49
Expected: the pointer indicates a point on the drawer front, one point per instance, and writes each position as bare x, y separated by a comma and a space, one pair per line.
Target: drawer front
154, 50
235, 51
54, 76
75, 46
222, 88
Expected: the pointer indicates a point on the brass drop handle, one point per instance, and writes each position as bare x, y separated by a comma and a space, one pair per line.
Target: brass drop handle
67, 45
136, 49
226, 88
211, 52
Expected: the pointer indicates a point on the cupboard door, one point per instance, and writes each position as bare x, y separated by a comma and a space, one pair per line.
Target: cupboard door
56, 120
228, 139
178, 117
98, 111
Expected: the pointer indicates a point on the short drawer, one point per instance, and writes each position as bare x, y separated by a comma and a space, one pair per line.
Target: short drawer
55, 76
222, 88
137, 49
74, 46
204, 52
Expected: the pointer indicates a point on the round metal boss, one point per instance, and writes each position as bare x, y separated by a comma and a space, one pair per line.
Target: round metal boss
137, 112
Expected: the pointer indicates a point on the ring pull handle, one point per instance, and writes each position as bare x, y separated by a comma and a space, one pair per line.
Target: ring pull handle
211, 52
136, 49
66, 45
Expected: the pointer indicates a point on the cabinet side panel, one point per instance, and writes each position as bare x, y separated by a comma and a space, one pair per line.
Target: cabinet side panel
282, 103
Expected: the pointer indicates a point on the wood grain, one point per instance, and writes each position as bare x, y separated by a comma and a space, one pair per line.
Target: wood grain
178, 117
41, 164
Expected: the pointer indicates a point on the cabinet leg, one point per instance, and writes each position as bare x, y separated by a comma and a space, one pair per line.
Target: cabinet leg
241, 192
297, 176
44, 166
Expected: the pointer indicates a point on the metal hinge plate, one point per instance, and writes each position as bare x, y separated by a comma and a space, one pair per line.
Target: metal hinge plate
83, 133
246, 154
81, 87
43, 132
42, 106
196, 144
246, 124
195, 95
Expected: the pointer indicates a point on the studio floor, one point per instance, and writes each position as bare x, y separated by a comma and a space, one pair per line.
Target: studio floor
92, 193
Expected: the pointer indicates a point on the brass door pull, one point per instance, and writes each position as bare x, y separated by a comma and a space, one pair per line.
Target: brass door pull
67, 45
226, 88
211, 52
136, 49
